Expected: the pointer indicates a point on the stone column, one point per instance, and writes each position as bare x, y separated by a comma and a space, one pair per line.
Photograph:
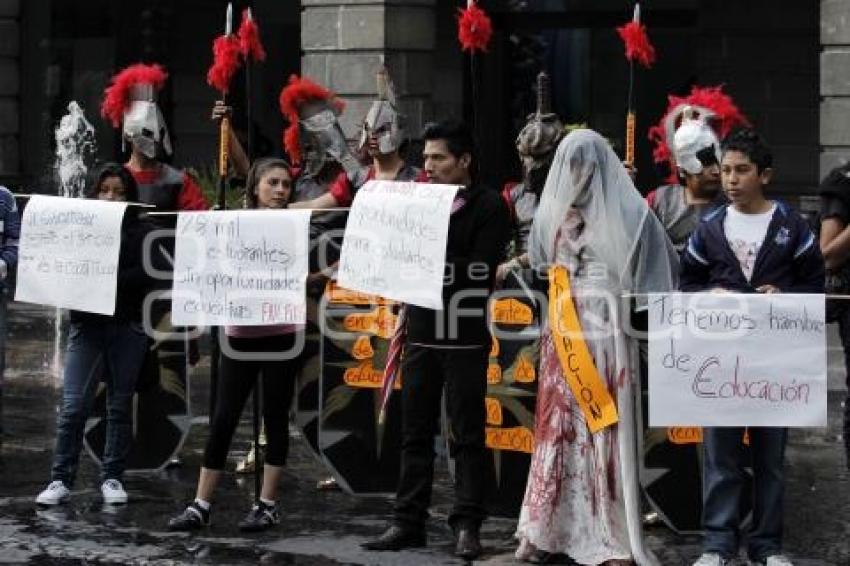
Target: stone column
834, 84
344, 42
9, 89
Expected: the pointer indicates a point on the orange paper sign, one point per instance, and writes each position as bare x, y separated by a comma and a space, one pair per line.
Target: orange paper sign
684, 435
494, 411
517, 439
580, 372
524, 370
366, 376
341, 295
380, 322
494, 374
362, 349
511, 311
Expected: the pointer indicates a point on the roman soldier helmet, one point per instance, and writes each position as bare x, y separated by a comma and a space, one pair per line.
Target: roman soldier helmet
704, 106
538, 139
383, 118
131, 100
314, 135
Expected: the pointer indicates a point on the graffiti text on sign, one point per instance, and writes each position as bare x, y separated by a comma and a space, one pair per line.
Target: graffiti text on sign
511, 311
494, 411
517, 439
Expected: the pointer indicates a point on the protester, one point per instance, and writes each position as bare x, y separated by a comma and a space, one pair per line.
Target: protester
687, 141
535, 144
269, 186
449, 349
10, 228
381, 137
111, 348
582, 497
752, 245
835, 246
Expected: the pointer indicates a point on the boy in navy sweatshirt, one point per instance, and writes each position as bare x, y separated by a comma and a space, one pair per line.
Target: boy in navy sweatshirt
751, 245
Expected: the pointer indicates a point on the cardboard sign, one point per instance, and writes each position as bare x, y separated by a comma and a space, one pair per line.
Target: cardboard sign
245, 267
727, 359
68, 253
395, 242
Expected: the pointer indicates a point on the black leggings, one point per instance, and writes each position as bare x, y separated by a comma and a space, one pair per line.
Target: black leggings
236, 381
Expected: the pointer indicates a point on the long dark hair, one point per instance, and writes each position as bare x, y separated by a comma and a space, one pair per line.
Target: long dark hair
111, 169
255, 174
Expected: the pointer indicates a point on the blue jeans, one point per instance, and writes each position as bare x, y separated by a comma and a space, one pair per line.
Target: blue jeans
113, 350
723, 479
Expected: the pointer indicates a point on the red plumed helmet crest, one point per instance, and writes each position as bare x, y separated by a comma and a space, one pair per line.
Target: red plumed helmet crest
295, 94
474, 28
718, 108
638, 46
116, 97
226, 51
249, 38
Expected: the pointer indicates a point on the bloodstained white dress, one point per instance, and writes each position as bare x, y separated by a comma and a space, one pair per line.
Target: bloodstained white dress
575, 501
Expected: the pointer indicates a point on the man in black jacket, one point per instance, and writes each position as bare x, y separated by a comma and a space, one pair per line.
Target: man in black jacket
449, 348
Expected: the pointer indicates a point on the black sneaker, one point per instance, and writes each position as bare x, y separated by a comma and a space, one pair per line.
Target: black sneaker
191, 519
260, 518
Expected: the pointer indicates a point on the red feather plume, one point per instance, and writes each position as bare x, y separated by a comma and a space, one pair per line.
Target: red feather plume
638, 46
727, 117
116, 99
249, 38
296, 93
474, 28
226, 53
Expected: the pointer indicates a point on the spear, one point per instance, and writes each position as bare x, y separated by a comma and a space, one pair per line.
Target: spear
225, 63
637, 47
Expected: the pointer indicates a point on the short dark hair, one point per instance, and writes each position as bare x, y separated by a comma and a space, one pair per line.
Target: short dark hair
111, 169
255, 174
457, 136
751, 144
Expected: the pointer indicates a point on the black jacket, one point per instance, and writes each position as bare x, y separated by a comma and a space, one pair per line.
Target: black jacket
134, 282
789, 258
476, 243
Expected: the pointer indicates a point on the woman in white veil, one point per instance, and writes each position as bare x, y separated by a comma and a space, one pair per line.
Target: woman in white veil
583, 496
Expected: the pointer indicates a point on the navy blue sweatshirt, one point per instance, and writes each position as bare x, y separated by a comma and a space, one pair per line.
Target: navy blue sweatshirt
789, 257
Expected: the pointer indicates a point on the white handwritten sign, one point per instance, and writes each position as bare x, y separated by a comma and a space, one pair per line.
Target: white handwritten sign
737, 360
395, 241
246, 268
68, 253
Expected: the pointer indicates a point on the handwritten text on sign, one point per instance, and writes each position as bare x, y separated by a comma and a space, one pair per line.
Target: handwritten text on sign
245, 268
737, 360
68, 253
395, 241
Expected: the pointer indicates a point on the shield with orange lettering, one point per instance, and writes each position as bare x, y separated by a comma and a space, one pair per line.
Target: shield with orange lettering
512, 392
363, 455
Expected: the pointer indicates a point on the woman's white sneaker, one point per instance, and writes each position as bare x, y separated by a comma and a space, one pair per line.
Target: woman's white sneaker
113, 492
54, 494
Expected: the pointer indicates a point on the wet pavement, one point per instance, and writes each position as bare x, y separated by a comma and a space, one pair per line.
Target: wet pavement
318, 527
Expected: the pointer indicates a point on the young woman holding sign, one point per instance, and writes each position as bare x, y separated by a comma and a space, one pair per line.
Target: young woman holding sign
598, 239
269, 186
112, 347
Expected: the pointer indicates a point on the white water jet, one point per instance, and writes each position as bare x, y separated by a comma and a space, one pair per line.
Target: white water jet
75, 148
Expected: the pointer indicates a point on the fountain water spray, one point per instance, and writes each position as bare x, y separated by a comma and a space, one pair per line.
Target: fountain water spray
75, 148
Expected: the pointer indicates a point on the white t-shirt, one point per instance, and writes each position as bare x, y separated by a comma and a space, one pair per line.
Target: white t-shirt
745, 234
